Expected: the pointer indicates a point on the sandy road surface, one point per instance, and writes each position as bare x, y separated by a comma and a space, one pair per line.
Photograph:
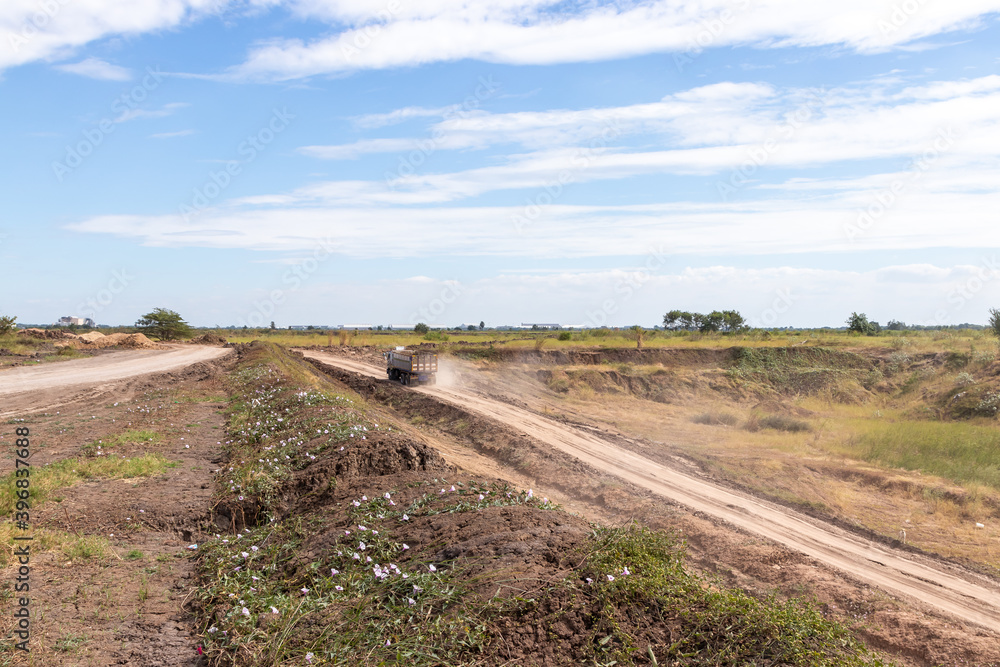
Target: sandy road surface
49, 384
967, 596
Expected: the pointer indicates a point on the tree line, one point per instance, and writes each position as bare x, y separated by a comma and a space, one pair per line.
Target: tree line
725, 321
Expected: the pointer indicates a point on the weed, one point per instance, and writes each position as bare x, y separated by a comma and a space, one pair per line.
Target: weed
716, 418
634, 570
756, 422
65, 472
70, 642
101, 447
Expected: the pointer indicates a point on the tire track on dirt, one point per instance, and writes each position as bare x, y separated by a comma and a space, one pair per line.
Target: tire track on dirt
967, 596
29, 389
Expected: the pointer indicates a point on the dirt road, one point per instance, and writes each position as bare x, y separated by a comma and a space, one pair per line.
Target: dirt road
37, 387
967, 596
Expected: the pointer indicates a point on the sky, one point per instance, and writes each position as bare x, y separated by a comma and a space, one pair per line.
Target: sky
595, 163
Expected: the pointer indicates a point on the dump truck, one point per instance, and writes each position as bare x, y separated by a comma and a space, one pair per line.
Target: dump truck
411, 366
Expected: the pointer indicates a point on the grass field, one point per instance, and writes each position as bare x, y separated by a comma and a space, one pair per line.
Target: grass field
964, 340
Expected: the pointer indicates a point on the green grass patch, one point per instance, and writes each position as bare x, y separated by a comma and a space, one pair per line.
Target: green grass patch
634, 567
961, 452
46, 479
70, 642
131, 437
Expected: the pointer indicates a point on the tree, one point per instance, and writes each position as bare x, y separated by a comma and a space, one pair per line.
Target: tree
896, 325
164, 324
471, 327
681, 320
995, 322
482, 325
7, 324
272, 325
421, 328
861, 325
733, 322
711, 322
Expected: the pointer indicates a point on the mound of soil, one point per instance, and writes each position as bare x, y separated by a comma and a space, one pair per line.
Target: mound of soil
209, 339
136, 341
48, 334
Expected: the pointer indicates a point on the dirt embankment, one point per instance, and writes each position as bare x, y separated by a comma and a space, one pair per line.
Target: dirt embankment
926, 641
382, 527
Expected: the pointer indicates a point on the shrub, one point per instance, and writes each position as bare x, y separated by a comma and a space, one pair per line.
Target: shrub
756, 422
716, 419
565, 335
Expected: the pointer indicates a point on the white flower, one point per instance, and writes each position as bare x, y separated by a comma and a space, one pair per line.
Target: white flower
305, 590
432, 568
274, 610
610, 578
246, 612
411, 601
405, 547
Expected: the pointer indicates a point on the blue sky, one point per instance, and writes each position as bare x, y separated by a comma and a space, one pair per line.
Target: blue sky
385, 162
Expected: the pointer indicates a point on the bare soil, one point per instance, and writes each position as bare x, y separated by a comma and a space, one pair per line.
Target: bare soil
135, 610
923, 611
127, 606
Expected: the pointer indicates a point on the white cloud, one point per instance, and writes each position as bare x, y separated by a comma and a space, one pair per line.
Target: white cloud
33, 30
709, 129
95, 68
172, 135
533, 32
397, 116
164, 111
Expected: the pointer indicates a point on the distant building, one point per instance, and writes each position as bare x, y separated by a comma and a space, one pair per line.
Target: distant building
78, 321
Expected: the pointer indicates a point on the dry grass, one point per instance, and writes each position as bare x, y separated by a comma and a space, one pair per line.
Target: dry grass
884, 461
